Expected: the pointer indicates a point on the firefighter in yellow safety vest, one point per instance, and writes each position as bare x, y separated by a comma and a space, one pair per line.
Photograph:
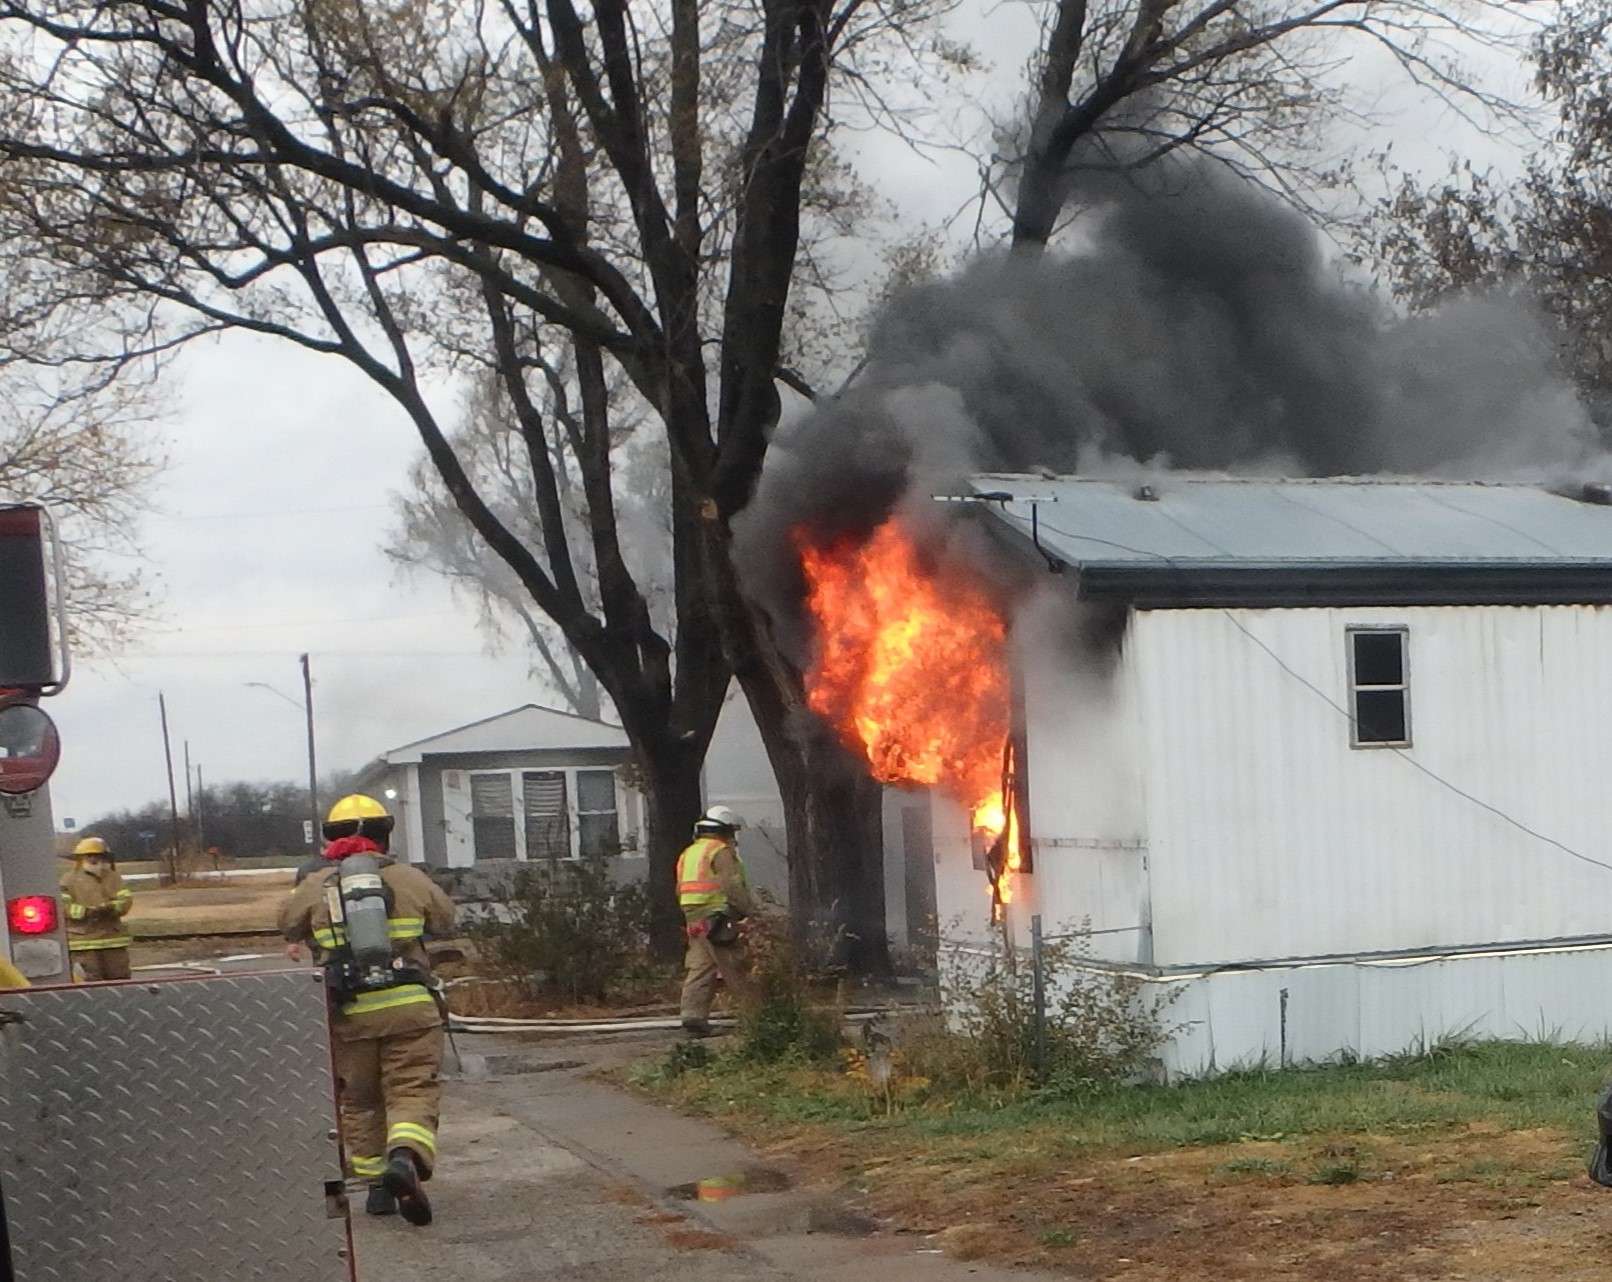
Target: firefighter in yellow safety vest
96, 901
715, 897
386, 1035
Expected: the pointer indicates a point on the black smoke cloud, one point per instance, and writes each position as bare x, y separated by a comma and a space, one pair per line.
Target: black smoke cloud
1199, 327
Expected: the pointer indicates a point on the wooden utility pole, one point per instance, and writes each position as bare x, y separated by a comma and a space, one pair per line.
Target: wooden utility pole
313, 773
190, 797
200, 817
173, 794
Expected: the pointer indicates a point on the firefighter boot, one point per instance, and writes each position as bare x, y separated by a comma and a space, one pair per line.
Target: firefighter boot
402, 1181
380, 1201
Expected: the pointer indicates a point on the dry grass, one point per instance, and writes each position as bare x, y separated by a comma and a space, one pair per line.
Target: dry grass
208, 906
1460, 1164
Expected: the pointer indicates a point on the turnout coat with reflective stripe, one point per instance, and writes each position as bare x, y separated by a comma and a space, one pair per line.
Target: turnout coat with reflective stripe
710, 880
419, 908
95, 905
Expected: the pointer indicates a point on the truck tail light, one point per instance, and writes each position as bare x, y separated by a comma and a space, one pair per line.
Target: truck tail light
32, 914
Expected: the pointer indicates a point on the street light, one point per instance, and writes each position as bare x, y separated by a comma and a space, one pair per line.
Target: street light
307, 711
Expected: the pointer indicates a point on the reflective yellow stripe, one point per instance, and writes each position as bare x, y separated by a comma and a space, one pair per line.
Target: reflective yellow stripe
77, 944
123, 897
697, 887
368, 1166
406, 1131
386, 999
396, 928
76, 912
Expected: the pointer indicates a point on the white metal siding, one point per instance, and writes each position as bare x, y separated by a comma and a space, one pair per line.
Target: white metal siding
1271, 837
1087, 797
1087, 801
1236, 1019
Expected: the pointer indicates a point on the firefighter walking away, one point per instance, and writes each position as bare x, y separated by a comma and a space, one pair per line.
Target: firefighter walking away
715, 897
366, 919
96, 901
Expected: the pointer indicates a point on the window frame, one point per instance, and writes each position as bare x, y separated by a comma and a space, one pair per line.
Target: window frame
1403, 688
515, 812
625, 811
614, 812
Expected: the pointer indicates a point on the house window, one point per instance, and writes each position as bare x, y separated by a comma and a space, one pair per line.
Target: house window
598, 829
492, 814
1379, 686
548, 817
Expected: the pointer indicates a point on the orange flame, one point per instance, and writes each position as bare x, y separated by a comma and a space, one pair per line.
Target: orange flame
912, 670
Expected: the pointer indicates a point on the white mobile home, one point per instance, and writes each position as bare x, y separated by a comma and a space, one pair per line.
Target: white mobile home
1344, 771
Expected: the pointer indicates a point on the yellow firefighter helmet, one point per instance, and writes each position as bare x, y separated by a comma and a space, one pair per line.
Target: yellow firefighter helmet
91, 846
357, 815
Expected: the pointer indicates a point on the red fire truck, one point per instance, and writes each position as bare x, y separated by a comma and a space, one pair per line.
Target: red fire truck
171, 1128
33, 663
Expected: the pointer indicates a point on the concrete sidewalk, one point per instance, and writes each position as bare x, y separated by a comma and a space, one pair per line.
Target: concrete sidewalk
546, 1174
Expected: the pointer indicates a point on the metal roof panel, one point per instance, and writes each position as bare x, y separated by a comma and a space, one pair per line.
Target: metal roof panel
1221, 522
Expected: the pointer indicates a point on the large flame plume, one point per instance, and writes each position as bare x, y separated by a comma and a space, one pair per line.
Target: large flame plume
912, 669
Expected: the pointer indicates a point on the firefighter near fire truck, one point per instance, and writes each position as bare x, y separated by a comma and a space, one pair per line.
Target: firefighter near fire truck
715, 897
366, 919
95, 902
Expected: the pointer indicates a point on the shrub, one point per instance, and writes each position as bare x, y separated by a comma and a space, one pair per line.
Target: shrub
779, 1021
1100, 1025
570, 930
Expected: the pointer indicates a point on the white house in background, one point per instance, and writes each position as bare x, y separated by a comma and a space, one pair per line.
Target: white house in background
535, 783
1342, 774
531, 783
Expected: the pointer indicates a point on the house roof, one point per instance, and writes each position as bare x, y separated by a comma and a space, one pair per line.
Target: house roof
1192, 540
520, 729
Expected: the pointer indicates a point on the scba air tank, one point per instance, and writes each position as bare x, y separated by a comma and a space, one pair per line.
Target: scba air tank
364, 911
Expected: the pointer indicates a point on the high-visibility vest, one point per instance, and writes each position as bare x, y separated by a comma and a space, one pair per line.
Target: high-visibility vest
698, 887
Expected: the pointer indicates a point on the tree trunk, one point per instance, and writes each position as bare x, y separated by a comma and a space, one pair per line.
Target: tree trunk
833, 813
833, 816
670, 773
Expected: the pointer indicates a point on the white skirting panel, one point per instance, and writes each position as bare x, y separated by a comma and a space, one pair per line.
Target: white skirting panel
1305, 1014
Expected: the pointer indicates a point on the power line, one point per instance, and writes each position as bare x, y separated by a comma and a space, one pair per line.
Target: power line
1401, 753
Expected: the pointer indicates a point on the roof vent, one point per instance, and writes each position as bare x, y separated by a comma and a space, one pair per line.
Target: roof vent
1597, 492
1147, 494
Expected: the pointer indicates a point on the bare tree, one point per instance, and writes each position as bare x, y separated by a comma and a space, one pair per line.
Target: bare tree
432, 535
473, 185
1548, 233
1253, 84
77, 403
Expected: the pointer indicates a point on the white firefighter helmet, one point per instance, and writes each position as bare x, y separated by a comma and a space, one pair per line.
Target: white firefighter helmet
719, 820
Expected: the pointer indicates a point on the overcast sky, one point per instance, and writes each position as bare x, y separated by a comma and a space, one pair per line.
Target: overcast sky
265, 540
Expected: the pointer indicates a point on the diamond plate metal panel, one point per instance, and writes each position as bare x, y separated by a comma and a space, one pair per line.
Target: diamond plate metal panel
179, 1131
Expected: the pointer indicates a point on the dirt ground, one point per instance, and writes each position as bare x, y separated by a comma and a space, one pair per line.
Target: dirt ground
1483, 1206
208, 906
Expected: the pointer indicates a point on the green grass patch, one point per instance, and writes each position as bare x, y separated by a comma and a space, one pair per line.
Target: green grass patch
1510, 1085
1263, 1167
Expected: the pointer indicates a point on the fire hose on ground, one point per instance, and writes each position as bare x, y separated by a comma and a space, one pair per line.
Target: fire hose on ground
637, 1024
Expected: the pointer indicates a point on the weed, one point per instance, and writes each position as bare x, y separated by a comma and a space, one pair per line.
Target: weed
779, 1021
1059, 1238
1099, 1026
1263, 1166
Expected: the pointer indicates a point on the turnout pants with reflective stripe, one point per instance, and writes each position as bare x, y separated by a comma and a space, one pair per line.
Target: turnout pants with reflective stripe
389, 1090
702, 967
94, 965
